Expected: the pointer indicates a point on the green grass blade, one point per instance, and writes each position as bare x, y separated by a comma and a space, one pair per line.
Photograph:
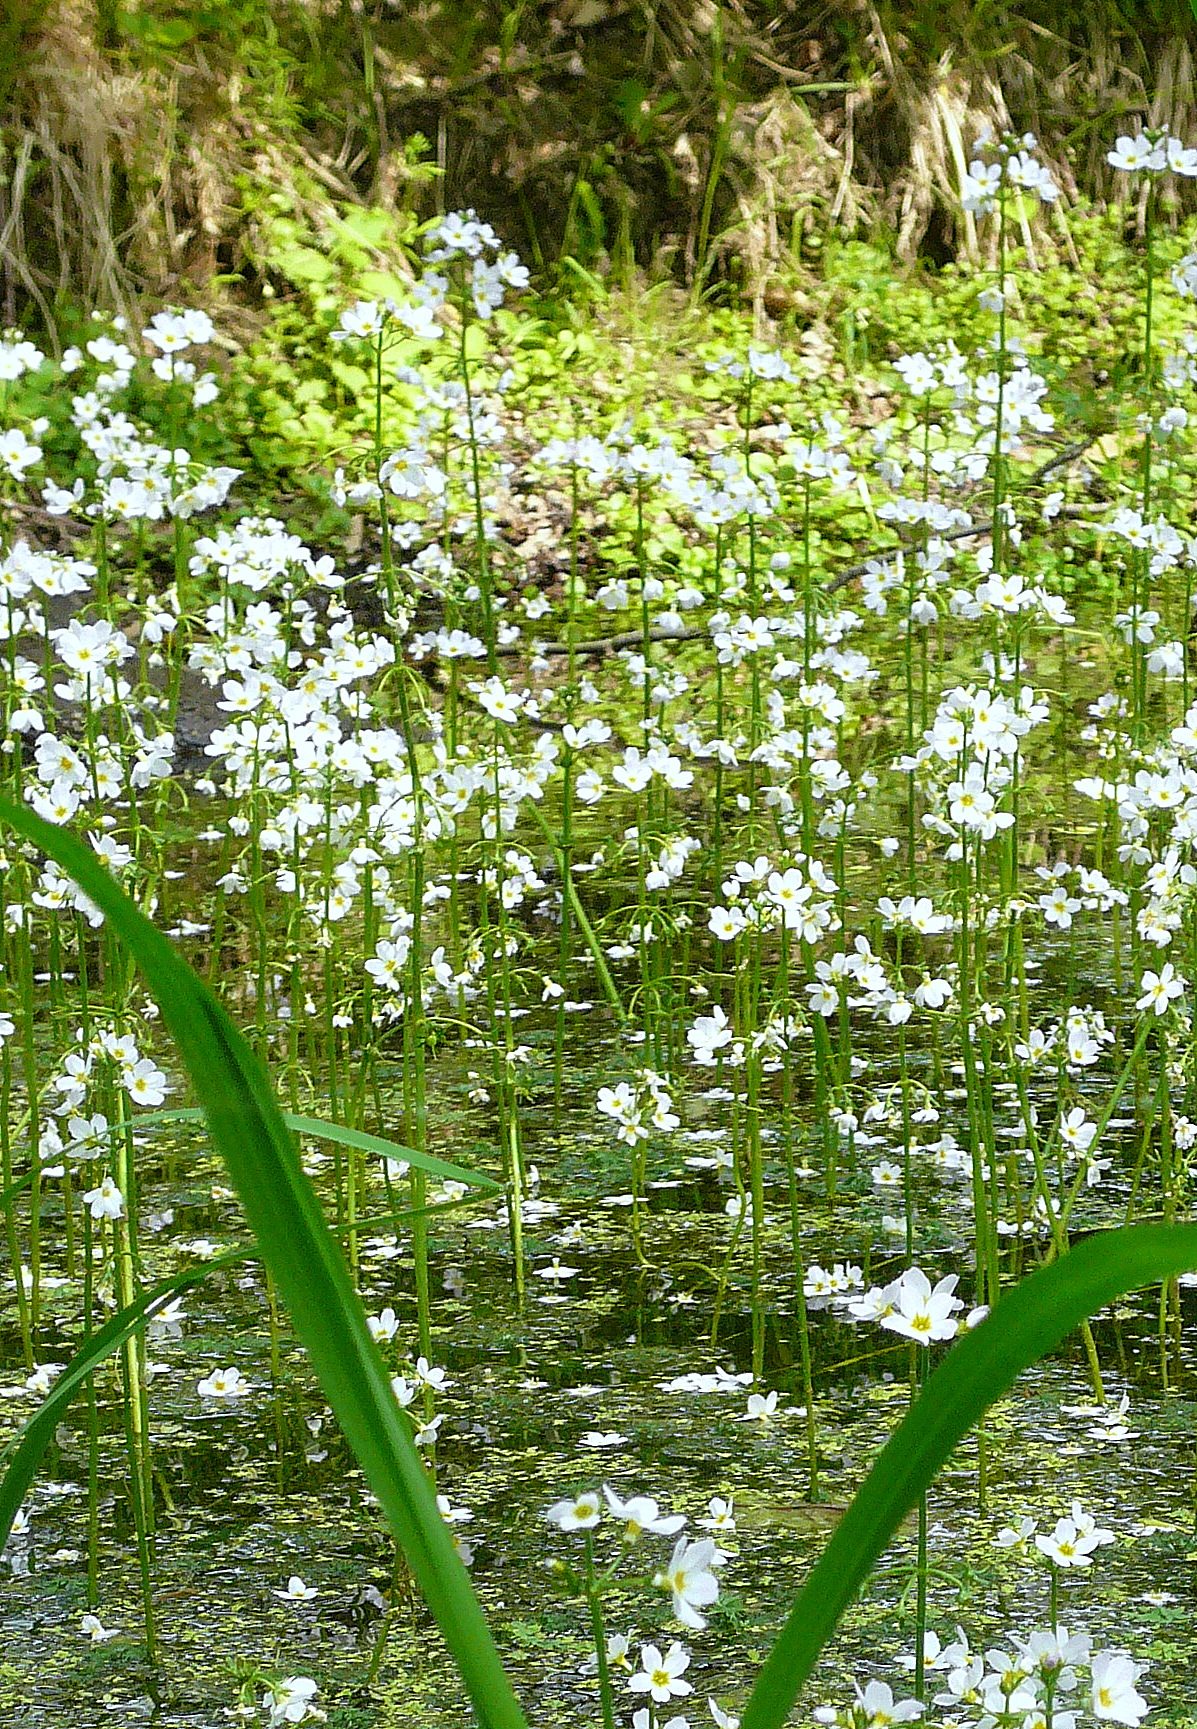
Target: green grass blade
8, 1195
1030, 1321
569, 889
322, 1131
319, 1130
374, 1221
22, 1455
280, 1204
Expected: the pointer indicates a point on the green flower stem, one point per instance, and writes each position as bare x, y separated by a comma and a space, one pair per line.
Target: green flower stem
918, 1382
598, 1631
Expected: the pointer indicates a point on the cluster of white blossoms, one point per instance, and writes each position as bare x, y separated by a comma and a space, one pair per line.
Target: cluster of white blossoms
914, 1308
1049, 1675
1011, 165
799, 897
1155, 150
688, 1578
639, 1107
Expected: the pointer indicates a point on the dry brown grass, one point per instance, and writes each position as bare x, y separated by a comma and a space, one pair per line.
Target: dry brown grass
74, 121
124, 178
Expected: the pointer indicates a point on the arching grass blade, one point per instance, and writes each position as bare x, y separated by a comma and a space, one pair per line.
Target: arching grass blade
1030, 1321
319, 1130
309, 1270
20, 1458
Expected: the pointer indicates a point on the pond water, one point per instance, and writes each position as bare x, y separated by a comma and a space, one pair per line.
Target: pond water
586, 1385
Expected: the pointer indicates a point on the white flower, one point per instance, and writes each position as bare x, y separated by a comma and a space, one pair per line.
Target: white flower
879, 1708
919, 1312
17, 453
96, 1630
726, 923
556, 1272
365, 318
1067, 1546
389, 963
1114, 1697
661, 1676
760, 1407
720, 1515
1160, 989
145, 1083
106, 1202
1077, 1132
710, 1033
1132, 155
499, 702
641, 1513
223, 1384
580, 1514
690, 1580
429, 1375
290, 1701
383, 1327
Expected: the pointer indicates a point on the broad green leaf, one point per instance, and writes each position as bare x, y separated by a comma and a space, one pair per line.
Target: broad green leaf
308, 1268
385, 284
475, 341
301, 264
369, 227
354, 378
1029, 1322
